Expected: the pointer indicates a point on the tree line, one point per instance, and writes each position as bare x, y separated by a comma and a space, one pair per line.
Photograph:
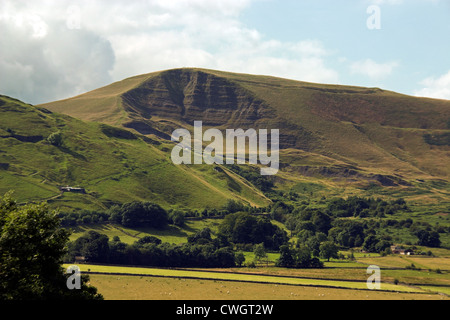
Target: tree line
202, 250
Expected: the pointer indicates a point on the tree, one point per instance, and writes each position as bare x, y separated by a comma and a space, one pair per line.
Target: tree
233, 206
297, 258
32, 247
148, 240
291, 223
142, 214
286, 260
201, 237
240, 259
328, 250
370, 243
321, 221
177, 217
260, 252
428, 238
303, 258
314, 242
92, 245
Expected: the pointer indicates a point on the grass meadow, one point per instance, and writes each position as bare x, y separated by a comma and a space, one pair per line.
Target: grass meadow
130, 283
119, 287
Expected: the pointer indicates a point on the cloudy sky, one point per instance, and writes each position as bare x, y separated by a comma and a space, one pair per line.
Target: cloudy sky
55, 49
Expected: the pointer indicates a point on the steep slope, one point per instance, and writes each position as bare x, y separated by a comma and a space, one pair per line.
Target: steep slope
329, 134
111, 164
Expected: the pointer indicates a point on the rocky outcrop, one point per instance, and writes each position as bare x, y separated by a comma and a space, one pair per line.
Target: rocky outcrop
189, 96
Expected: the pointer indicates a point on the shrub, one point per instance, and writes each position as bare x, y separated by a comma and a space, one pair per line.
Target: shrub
55, 139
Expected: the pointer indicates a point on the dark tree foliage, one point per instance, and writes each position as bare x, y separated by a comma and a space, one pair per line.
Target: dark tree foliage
297, 258
347, 233
32, 246
243, 228
142, 214
92, 245
233, 206
148, 240
428, 238
364, 207
201, 237
82, 217
201, 252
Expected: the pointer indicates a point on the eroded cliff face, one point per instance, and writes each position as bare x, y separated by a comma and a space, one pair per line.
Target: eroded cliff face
188, 96
179, 97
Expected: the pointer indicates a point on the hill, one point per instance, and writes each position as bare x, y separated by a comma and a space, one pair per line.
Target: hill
42, 151
335, 140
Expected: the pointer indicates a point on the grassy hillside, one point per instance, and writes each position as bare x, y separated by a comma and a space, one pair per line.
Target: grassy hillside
346, 139
111, 164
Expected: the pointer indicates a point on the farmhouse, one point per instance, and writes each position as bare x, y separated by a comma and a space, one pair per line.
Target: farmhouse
402, 251
71, 189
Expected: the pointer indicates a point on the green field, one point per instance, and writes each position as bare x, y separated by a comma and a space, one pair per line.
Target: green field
148, 283
172, 234
240, 277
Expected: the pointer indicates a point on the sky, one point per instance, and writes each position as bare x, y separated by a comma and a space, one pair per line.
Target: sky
56, 49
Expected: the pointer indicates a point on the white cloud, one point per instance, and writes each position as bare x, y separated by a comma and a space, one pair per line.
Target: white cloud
438, 88
43, 60
372, 69
71, 48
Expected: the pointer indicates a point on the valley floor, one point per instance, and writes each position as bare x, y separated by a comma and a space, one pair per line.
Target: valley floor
119, 287
267, 283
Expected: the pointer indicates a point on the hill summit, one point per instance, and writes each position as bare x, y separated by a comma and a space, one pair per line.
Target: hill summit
334, 140
368, 128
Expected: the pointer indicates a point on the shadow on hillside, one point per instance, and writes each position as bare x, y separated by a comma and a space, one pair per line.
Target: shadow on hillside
73, 153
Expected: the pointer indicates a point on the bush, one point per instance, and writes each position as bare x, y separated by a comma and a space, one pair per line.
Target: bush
177, 218
55, 139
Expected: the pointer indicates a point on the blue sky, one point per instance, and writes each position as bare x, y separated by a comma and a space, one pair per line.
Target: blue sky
54, 49
414, 37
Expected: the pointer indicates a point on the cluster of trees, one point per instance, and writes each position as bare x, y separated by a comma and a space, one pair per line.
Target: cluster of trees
297, 258
133, 214
313, 227
82, 217
201, 251
428, 238
244, 228
139, 214
365, 207
149, 214
426, 234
